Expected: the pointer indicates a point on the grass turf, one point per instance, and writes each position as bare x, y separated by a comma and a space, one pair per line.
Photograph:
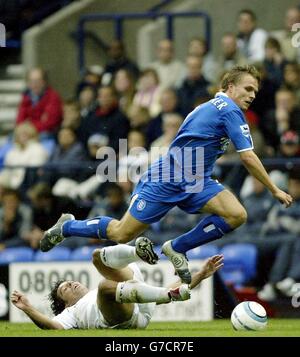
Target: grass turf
216, 328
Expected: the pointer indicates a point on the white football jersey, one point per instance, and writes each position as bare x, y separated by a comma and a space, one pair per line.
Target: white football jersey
85, 314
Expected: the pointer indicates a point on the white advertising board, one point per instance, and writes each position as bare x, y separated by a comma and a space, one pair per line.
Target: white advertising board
36, 279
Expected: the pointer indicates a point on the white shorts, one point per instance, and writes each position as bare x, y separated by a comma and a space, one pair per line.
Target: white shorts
142, 313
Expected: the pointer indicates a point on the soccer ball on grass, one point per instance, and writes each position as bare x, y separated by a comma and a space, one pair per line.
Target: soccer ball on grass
249, 315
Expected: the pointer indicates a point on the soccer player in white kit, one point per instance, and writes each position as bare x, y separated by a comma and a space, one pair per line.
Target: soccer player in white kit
122, 300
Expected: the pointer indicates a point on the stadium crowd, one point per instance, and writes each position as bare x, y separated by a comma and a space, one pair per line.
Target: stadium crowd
49, 164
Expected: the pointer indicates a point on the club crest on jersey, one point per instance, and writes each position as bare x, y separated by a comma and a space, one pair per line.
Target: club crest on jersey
245, 129
141, 205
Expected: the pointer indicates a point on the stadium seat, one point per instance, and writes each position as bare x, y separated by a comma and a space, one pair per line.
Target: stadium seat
56, 254
4, 149
82, 254
203, 252
48, 144
239, 263
17, 254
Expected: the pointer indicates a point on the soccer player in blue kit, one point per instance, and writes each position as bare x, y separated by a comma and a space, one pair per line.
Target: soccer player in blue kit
183, 178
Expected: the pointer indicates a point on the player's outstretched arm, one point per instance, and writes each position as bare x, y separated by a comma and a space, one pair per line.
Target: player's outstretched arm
210, 266
41, 320
256, 169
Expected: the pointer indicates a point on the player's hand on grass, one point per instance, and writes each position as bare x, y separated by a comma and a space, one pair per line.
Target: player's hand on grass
212, 264
283, 198
19, 300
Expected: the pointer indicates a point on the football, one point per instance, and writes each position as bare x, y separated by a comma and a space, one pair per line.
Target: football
249, 315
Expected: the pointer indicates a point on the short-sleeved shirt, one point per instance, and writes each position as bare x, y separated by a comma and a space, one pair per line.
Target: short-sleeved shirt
183, 176
85, 314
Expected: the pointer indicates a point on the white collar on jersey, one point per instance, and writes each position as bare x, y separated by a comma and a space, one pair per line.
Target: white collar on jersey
221, 93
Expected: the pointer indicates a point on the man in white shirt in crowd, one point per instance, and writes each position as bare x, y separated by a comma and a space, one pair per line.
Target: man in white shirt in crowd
122, 300
251, 40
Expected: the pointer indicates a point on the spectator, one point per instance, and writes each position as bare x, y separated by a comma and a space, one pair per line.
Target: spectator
136, 161
230, 54
289, 145
65, 159
118, 60
198, 47
284, 36
283, 118
169, 104
114, 203
291, 79
265, 98
274, 61
15, 220
87, 100
251, 40
148, 92
160, 146
170, 70
26, 152
41, 105
139, 118
83, 185
194, 87
71, 115
106, 119
281, 240
91, 78
46, 211
124, 83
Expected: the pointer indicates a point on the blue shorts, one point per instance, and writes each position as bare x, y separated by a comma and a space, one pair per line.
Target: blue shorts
150, 206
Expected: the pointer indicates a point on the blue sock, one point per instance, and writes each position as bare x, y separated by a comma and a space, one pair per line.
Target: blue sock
207, 230
90, 228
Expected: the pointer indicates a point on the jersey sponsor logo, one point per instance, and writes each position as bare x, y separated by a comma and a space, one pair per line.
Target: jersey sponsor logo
141, 205
245, 130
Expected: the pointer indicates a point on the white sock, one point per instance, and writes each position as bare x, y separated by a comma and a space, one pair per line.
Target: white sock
118, 256
136, 291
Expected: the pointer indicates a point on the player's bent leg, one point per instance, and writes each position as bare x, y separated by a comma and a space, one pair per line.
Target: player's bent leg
113, 312
226, 205
115, 274
227, 214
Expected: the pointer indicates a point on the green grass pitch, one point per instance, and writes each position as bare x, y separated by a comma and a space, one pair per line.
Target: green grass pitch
216, 328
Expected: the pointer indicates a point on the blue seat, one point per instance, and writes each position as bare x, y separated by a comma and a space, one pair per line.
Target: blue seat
82, 253
239, 263
17, 254
4, 149
56, 254
202, 252
49, 144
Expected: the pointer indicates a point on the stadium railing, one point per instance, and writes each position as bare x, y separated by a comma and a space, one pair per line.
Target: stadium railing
119, 18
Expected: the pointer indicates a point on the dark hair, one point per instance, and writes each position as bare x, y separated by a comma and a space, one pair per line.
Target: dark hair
56, 303
234, 75
274, 43
248, 12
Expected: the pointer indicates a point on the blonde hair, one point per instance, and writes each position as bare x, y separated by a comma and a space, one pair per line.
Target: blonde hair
236, 73
28, 129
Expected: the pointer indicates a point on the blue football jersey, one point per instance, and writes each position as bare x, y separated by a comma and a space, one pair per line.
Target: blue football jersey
202, 138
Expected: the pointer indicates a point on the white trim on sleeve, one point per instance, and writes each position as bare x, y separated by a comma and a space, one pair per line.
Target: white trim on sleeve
252, 148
